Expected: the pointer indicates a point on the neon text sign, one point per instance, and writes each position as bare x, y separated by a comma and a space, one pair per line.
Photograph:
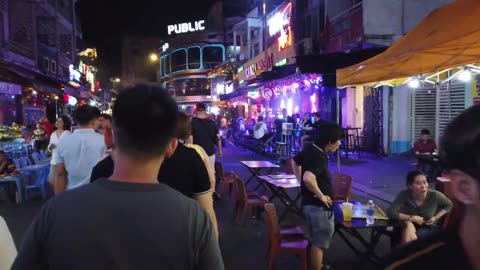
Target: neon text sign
280, 23
189, 27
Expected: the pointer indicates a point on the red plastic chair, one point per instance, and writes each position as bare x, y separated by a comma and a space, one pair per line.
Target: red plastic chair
227, 180
342, 187
278, 244
246, 202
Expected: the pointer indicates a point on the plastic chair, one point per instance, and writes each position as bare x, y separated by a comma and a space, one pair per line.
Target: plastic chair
41, 177
26, 162
278, 245
342, 187
227, 180
248, 202
36, 158
43, 155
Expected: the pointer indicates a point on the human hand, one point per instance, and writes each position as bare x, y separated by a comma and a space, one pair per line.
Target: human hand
431, 221
417, 220
326, 200
219, 153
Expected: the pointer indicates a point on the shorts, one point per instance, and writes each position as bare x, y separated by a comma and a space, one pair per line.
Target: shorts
212, 162
321, 225
426, 230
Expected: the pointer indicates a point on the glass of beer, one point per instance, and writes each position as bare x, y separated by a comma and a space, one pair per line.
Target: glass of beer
347, 209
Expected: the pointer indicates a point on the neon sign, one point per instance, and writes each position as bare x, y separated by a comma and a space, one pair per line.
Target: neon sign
75, 75
261, 65
253, 94
186, 27
280, 23
165, 47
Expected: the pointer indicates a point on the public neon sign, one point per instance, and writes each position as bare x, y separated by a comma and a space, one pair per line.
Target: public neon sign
280, 23
189, 27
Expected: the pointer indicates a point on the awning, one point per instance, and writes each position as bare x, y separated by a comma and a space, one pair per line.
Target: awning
447, 38
240, 91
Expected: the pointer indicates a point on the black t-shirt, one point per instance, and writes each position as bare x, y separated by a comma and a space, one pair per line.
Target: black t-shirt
314, 160
103, 169
205, 134
185, 172
440, 251
279, 124
115, 225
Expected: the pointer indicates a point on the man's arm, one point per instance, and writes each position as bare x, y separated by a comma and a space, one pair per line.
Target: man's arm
310, 181
61, 181
208, 252
297, 170
206, 202
3, 165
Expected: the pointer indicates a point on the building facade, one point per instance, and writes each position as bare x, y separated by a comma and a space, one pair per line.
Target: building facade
37, 51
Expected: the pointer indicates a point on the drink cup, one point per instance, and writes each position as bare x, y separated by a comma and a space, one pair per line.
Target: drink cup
347, 209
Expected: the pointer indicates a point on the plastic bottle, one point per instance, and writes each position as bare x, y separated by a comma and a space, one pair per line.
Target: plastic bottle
370, 213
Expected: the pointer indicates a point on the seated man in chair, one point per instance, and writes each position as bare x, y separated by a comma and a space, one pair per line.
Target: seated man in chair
260, 131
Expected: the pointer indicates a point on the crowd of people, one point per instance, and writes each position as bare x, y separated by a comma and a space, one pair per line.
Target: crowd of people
142, 198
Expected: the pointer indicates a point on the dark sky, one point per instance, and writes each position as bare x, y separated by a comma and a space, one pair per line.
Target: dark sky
104, 22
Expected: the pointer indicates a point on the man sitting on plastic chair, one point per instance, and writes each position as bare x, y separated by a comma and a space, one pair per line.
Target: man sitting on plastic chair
260, 131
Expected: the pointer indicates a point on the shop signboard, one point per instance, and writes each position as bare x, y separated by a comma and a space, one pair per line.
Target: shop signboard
182, 28
10, 88
279, 26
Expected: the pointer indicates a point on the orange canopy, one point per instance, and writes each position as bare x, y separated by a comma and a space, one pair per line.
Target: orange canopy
447, 38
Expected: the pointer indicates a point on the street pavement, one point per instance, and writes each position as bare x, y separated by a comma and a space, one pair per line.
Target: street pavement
245, 247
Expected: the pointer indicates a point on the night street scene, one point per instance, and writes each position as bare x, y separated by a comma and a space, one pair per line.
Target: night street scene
239, 134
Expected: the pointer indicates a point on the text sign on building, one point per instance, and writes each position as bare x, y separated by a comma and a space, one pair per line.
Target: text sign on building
280, 23
182, 28
165, 47
10, 88
261, 65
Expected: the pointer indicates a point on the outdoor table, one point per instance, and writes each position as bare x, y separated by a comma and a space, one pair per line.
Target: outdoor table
255, 167
353, 228
279, 185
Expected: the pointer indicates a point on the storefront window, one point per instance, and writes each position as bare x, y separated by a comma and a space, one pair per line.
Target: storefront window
191, 87
212, 56
194, 58
178, 60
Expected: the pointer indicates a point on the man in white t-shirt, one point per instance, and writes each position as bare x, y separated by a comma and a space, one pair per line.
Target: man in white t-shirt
79, 152
260, 130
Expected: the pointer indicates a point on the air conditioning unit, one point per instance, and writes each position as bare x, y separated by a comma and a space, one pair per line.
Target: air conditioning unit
53, 67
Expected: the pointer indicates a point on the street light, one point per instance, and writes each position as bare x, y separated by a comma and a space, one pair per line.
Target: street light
117, 80
153, 57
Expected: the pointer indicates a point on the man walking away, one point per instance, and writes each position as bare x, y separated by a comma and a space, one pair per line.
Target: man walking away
78, 153
130, 221
205, 133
